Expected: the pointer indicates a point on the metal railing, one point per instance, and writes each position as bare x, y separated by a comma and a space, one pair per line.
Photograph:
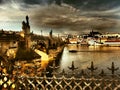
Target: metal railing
62, 80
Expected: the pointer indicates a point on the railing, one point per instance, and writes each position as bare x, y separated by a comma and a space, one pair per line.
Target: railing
62, 80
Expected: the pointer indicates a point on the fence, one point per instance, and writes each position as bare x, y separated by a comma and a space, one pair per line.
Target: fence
63, 81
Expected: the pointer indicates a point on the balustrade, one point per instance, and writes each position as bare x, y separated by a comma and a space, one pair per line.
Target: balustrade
63, 80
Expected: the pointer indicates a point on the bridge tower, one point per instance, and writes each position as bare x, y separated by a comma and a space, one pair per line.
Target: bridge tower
26, 30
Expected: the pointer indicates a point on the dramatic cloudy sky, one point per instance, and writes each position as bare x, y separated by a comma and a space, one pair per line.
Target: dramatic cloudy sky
72, 16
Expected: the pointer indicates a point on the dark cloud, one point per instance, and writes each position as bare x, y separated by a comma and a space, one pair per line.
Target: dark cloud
80, 4
81, 24
83, 4
32, 1
2, 1
68, 19
42, 1
94, 4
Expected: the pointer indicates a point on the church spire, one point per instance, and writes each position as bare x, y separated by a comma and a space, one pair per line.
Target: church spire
27, 20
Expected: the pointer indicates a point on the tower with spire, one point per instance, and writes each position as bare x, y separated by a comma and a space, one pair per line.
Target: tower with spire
26, 30
26, 26
50, 34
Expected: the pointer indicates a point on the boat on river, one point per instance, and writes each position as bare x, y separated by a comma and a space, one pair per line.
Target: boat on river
73, 51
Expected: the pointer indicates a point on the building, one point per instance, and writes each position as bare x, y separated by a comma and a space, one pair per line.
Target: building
8, 40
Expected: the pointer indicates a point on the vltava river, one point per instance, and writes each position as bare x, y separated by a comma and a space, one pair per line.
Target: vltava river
101, 56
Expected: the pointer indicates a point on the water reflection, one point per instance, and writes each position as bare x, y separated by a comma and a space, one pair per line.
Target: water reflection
101, 56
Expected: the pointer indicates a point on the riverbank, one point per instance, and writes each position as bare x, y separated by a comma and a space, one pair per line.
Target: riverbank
55, 58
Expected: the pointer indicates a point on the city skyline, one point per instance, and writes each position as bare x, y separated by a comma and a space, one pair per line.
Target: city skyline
71, 16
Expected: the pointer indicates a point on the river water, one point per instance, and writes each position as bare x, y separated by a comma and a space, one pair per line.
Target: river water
101, 56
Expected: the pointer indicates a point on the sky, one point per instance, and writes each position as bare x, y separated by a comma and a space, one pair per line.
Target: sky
62, 16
